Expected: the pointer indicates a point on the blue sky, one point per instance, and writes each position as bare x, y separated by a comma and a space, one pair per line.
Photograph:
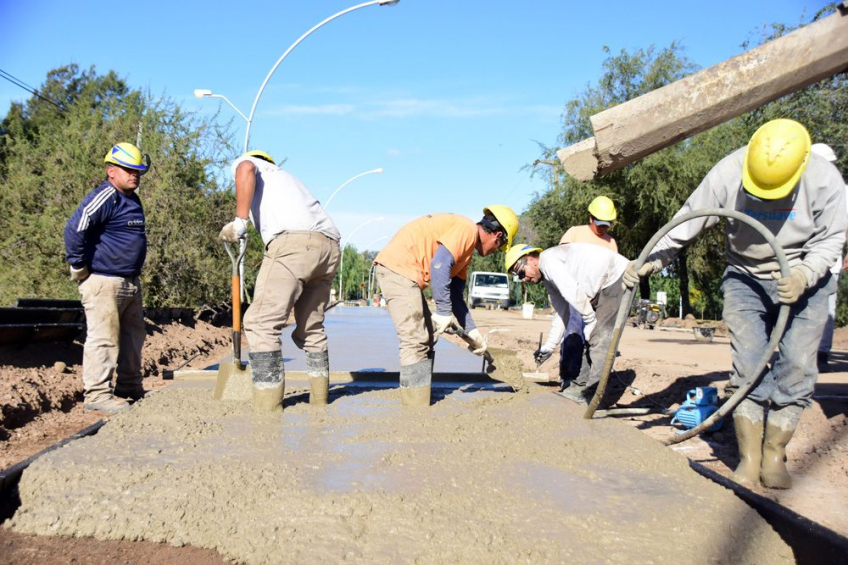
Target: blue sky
451, 98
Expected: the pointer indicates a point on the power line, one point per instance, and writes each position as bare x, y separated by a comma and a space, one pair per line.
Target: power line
19, 83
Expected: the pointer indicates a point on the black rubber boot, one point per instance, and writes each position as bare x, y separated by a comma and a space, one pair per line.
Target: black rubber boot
269, 380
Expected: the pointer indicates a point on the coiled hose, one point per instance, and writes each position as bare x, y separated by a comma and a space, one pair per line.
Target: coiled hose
626, 303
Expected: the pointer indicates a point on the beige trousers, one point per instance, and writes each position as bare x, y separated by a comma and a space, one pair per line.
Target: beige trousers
296, 273
114, 337
409, 311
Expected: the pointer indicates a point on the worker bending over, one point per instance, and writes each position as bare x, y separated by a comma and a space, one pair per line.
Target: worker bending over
435, 251
301, 259
601, 215
586, 279
800, 198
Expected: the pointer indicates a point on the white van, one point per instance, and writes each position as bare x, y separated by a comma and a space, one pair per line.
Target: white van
488, 288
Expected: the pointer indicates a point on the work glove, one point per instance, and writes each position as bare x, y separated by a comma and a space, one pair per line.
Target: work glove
543, 354
79, 275
790, 289
480, 346
632, 276
234, 231
441, 322
589, 322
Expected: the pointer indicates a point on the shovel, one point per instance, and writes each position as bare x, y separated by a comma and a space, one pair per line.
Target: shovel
235, 380
537, 376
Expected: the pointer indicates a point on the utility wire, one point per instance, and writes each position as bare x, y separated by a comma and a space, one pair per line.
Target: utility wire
19, 83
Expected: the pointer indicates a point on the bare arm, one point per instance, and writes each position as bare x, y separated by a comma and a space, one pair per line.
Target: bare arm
245, 186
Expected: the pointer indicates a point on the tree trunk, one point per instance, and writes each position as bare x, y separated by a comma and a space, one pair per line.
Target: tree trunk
683, 270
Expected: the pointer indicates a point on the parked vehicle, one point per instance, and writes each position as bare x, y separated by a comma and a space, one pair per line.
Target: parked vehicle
488, 288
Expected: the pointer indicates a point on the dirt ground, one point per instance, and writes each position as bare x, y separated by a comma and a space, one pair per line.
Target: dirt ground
40, 403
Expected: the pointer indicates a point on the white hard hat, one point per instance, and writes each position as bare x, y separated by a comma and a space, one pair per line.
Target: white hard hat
824, 150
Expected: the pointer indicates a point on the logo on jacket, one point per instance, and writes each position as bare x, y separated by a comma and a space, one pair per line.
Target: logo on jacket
135, 223
779, 215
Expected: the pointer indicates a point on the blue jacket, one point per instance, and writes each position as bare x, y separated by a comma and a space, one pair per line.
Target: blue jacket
106, 233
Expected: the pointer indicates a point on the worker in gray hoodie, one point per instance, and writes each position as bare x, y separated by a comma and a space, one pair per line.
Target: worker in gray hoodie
800, 198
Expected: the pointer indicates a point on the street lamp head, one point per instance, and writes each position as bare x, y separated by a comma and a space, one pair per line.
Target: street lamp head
388, 2
378, 170
202, 92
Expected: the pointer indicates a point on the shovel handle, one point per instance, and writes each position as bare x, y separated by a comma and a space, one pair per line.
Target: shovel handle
461, 334
236, 292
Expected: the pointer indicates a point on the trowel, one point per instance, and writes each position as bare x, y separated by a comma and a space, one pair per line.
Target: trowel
235, 379
537, 376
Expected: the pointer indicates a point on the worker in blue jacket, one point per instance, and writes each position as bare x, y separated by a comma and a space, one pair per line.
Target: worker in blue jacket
106, 243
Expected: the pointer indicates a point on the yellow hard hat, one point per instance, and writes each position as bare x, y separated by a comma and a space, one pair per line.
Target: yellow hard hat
261, 155
602, 208
507, 219
518, 251
776, 158
129, 156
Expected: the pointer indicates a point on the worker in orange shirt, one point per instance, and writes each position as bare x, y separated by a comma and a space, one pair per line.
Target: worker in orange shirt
435, 251
601, 215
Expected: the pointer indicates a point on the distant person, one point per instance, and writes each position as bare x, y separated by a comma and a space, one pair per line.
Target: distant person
841, 263
579, 277
602, 214
800, 198
297, 271
435, 251
106, 244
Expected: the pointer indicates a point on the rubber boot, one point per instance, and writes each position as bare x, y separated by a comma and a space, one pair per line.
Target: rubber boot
748, 419
415, 382
318, 368
269, 380
780, 426
579, 394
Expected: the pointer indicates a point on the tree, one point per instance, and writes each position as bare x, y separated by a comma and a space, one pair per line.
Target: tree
51, 155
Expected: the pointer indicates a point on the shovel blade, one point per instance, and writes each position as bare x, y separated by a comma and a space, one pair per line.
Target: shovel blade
234, 382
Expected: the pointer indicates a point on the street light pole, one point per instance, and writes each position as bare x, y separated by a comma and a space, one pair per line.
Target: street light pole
348, 181
341, 266
295, 44
206, 93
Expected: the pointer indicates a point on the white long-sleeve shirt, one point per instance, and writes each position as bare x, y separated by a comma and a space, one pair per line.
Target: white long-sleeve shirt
574, 274
809, 223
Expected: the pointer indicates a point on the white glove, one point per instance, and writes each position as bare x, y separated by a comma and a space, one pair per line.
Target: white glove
79, 275
589, 322
234, 231
441, 322
632, 276
543, 354
790, 289
480, 346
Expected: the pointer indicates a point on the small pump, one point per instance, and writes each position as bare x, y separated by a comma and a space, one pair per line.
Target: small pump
701, 402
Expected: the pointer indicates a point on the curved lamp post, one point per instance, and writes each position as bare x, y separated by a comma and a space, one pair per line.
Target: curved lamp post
341, 266
350, 180
204, 93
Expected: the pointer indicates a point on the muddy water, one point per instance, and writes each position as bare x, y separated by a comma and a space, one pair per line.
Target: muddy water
483, 475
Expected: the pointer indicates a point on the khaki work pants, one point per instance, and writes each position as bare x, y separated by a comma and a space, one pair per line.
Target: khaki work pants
411, 315
296, 273
114, 337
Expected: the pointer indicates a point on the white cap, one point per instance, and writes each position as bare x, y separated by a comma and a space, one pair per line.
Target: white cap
824, 150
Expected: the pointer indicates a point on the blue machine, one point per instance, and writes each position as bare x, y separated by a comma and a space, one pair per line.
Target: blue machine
700, 404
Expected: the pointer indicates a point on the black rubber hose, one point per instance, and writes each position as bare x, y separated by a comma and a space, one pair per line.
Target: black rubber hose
626, 302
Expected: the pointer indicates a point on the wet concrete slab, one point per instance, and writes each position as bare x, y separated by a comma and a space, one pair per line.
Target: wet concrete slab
482, 476
364, 339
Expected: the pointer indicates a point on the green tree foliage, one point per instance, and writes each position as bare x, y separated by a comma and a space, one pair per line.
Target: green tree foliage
51, 156
355, 273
